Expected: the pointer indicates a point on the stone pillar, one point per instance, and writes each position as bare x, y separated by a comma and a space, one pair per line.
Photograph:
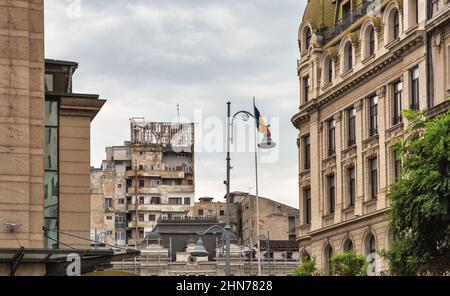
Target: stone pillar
360, 125
383, 119
21, 122
316, 215
339, 176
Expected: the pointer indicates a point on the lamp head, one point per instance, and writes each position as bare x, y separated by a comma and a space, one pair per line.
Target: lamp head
267, 143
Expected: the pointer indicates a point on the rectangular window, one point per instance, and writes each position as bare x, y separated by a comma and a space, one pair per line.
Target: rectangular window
121, 235
155, 200
141, 217
51, 177
291, 225
373, 116
108, 202
141, 200
331, 194
331, 137
414, 89
397, 165
307, 153
306, 89
151, 218
373, 175
351, 186
175, 201
398, 98
351, 127
141, 183
49, 82
222, 213
200, 213
121, 201
307, 196
187, 200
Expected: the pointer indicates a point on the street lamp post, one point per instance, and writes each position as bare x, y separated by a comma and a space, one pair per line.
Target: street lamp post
266, 144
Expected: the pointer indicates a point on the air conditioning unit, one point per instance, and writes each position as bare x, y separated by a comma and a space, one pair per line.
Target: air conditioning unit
109, 209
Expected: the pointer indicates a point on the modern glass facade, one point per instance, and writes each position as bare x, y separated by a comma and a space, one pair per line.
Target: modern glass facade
51, 182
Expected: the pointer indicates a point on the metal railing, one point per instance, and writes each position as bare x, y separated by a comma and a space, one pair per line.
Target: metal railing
345, 22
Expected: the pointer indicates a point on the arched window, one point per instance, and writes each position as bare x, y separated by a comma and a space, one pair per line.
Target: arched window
372, 245
396, 25
327, 70
371, 41
330, 70
328, 254
393, 24
348, 246
348, 57
307, 38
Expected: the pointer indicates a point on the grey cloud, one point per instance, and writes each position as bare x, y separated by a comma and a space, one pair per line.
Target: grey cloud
145, 56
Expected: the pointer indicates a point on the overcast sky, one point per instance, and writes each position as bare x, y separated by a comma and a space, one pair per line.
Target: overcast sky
147, 56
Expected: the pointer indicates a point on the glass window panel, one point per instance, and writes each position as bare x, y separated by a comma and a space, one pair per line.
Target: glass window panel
51, 148
51, 113
51, 234
49, 82
51, 195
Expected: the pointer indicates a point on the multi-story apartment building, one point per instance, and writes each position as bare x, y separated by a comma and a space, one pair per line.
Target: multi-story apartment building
362, 63
44, 149
151, 176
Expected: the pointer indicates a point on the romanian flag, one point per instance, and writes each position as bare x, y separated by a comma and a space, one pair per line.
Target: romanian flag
261, 125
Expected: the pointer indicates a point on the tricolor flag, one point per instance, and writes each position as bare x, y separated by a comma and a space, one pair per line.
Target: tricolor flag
261, 125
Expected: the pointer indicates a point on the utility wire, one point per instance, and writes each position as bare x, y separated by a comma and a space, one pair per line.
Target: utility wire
59, 242
92, 241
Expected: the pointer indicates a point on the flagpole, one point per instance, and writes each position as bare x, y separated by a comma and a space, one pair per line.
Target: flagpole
257, 193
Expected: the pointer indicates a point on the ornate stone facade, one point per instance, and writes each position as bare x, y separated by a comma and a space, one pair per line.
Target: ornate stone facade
358, 72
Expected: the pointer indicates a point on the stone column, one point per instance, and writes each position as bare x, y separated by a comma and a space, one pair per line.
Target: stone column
339, 177
360, 125
383, 119
316, 216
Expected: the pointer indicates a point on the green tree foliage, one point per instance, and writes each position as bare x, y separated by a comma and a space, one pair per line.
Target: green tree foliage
420, 200
307, 268
348, 264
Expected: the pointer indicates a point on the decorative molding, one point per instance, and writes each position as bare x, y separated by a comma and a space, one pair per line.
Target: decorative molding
381, 92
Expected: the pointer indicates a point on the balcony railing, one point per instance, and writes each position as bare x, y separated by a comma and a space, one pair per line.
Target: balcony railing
358, 13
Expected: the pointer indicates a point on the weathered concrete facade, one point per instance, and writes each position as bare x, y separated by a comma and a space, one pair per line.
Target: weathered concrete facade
277, 221
150, 177
359, 67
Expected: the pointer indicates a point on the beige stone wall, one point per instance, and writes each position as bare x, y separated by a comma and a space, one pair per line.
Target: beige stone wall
74, 198
21, 121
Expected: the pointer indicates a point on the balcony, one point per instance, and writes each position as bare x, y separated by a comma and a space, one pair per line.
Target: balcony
156, 173
355, 15
160, 208
161, 189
